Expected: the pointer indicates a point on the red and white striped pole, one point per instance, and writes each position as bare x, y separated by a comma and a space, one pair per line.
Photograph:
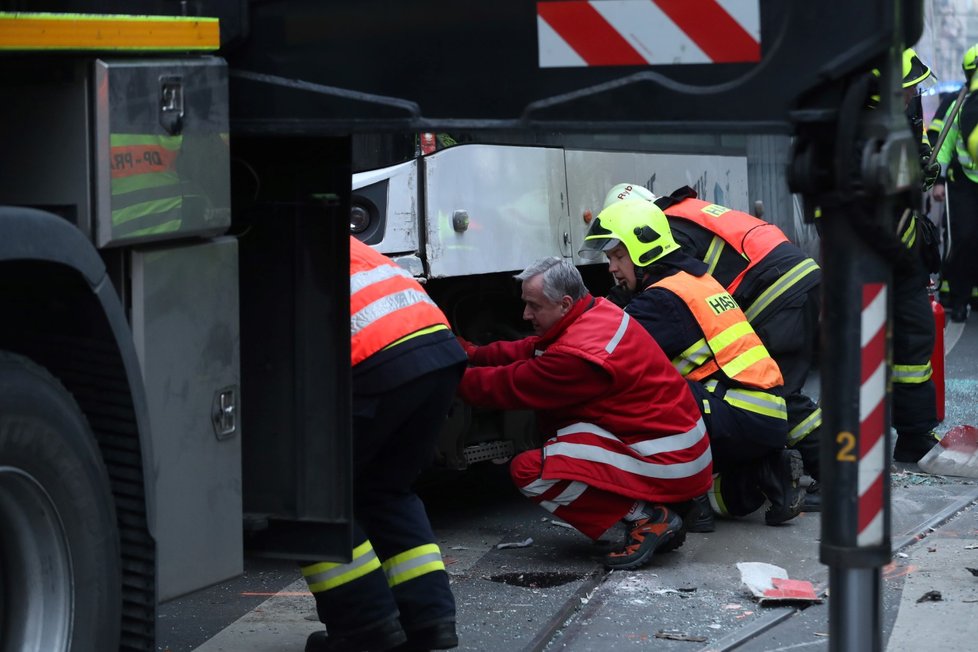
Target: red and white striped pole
855, 541
872, 415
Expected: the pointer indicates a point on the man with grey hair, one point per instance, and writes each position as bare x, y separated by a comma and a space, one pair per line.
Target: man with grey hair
625, 438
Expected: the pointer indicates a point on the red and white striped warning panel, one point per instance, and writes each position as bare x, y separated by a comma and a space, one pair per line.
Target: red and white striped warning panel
577, 33
872, 420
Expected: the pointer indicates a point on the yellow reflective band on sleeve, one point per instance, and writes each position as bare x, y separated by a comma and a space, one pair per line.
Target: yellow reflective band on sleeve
413, 563
912, 374
327, 575
779, 287
807, 426
50, 31
706, 406
713, 252
692, 358
909, 236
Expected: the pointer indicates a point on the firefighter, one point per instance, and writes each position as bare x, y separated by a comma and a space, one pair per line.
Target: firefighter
960, 271
626, 442
709, 340
406, 368
914, 253
775, 284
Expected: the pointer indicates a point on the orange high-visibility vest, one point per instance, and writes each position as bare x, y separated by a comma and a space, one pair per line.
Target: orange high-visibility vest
729, 343
386, 303
752, 238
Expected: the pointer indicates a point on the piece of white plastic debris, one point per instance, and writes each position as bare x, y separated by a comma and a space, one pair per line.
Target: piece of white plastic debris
561, 524
516, 544
770, 583
902, 555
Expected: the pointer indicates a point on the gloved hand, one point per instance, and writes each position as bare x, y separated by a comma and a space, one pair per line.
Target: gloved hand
620, 295
932, 171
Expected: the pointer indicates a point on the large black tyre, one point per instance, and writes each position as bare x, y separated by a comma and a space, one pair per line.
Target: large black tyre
60, 578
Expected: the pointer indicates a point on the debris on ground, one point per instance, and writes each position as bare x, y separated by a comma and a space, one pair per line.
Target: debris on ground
931, 596
973, 571
679, 636
955, 454
770, 583
515, 544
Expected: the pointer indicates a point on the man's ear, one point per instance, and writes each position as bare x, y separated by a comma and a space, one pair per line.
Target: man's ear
565, 303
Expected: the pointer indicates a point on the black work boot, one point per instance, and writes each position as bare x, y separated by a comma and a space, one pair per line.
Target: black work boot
777, 477
438, 636
698, 516
379, 637
813, 498
910, 448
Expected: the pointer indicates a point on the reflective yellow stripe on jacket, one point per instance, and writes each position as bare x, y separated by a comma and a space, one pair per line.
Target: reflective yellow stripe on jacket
779, 287
729, 345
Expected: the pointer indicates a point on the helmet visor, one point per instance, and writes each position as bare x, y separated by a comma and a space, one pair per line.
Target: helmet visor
597, 241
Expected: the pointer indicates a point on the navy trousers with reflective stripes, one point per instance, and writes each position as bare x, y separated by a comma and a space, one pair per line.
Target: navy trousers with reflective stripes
914, 403
790, 335
394, 438
736, 435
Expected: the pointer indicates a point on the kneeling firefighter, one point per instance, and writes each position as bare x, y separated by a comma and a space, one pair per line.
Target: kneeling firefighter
709, 340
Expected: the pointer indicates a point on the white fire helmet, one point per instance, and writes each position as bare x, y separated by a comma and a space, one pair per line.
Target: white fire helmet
628, 191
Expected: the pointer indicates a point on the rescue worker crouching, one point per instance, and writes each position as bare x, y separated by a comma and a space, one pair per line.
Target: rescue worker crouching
776, 285
626, 441
709, 340
406, 367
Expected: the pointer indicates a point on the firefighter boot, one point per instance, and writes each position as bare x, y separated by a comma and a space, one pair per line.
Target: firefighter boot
439, 636
777, 477
697, 514
660, 532
809, 449
378, 637
910, 448
813, 497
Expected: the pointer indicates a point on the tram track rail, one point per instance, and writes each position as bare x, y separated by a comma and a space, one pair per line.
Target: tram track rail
573, 614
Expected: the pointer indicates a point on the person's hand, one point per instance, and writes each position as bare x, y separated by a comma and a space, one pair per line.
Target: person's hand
466, 345
937, 192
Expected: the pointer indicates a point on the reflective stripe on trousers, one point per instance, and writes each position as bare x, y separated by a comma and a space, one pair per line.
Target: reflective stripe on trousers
324, 576
757, 401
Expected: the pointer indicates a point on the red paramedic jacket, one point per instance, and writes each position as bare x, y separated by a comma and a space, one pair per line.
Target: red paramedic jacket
619, 416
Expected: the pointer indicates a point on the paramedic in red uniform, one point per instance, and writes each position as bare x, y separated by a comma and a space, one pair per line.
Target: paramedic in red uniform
406, 368
626, 441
